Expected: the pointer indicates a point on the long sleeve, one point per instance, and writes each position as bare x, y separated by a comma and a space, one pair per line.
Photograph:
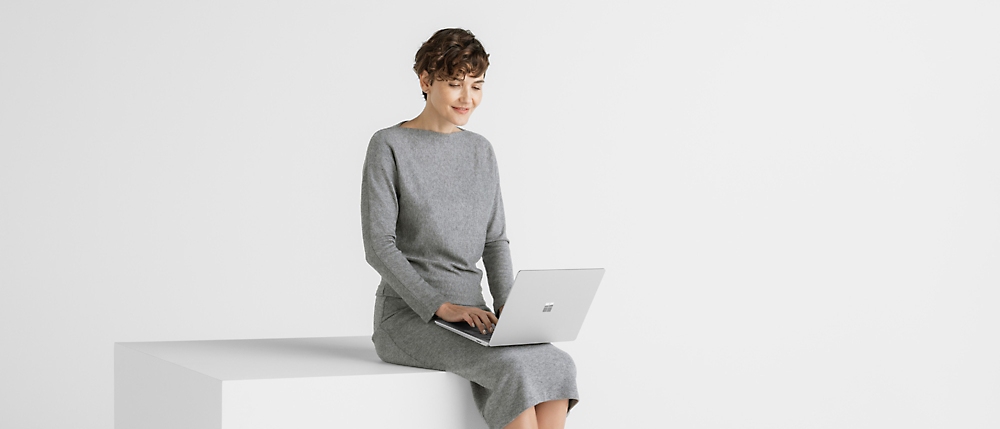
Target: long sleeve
379, 213
496, 254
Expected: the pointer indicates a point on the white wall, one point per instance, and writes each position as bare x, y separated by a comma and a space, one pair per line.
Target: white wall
797, 203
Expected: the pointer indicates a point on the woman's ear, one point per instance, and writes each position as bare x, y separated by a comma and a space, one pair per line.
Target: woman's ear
425, 81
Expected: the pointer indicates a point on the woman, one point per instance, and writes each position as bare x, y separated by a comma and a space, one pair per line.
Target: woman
430, 209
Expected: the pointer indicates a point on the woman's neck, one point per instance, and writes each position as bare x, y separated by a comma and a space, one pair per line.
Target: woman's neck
424, 121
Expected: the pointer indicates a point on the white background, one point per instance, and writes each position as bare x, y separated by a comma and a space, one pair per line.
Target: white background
797, 203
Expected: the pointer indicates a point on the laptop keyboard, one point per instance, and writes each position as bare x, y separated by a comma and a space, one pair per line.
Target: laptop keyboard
464, 327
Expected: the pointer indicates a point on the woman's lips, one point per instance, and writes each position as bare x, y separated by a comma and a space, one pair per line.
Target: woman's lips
462, 110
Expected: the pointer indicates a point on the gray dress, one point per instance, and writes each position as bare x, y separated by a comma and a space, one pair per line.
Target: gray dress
430, 209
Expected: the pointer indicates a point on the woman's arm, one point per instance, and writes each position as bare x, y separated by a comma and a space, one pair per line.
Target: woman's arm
379, 212
496, 251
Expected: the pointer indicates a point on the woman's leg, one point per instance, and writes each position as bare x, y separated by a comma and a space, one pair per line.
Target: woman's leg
525, 420
547, 415
552, 414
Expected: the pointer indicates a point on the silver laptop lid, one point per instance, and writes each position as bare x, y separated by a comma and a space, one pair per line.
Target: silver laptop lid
546, 306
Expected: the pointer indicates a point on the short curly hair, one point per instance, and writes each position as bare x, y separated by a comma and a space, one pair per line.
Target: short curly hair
449, 53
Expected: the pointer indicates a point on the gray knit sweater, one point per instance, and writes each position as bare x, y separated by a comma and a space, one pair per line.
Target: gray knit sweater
430, 209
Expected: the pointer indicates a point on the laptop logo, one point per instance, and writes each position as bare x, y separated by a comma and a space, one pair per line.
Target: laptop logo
548, 307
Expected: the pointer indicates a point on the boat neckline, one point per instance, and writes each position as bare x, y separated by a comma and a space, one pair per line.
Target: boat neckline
400, 125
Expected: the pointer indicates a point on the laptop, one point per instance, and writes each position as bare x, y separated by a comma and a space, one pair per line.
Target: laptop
544, 306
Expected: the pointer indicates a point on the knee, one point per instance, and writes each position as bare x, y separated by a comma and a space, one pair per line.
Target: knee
546, 363
561, 362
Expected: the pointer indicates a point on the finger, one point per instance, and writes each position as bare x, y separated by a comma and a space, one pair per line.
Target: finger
493, 318
487, 322
469, 320
488, 319
480, 324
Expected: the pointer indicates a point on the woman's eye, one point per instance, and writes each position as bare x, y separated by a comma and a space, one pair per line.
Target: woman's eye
477, 88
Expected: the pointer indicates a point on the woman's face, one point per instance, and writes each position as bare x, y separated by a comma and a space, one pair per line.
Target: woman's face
453, 100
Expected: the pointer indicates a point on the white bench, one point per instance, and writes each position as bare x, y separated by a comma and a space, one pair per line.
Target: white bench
291, 383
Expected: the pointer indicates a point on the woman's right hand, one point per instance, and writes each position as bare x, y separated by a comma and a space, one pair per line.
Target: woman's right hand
476, 317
